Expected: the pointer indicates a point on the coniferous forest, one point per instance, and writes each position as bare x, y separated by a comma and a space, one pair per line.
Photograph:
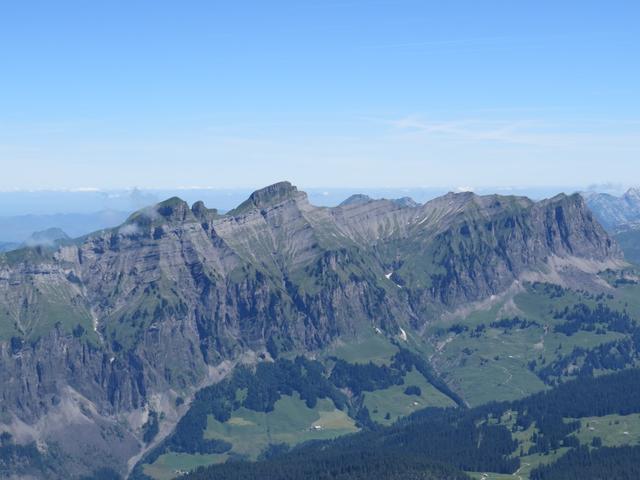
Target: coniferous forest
443, 443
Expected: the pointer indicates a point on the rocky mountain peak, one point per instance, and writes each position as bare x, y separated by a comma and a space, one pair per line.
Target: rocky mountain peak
198, 208
174, 208
270, 196
202, 212
47, 238
406, 202
273, 194
454, 200
356, 199
563, 198
633, 194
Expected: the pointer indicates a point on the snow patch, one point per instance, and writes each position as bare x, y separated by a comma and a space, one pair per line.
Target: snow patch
403, 334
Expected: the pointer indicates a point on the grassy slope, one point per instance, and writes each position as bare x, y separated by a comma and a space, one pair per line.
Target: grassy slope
510, 351
614, 430
397, 404
369, 347
170, 465
491, 366
250, 432
495, 365
374, 347
292, 422
46, 307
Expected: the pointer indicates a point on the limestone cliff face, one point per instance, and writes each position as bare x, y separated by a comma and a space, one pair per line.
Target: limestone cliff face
477, 246
128, 319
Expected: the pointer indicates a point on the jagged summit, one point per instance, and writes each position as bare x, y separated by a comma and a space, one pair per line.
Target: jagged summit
199, 208
201, 212
176, 209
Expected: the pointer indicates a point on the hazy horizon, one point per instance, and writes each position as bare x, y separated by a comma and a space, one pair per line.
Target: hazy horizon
80, 211
15, 203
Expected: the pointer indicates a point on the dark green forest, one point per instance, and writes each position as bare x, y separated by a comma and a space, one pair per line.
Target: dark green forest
464, 439
583, 463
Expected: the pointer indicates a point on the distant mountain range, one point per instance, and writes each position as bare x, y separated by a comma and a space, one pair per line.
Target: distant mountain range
620, 215
90, 200
616, 213
108, 344
17, 229
6, 246
49, 238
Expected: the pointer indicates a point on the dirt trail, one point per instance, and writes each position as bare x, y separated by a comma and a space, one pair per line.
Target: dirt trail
509, 378
517, 472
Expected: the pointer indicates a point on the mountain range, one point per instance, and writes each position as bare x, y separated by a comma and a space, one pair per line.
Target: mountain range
620, 215
108, 343
616, 213
17, 229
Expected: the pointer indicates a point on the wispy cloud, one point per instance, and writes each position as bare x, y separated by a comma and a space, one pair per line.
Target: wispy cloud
516, 132
465, 129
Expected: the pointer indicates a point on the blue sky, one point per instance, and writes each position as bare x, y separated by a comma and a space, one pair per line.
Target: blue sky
334, 93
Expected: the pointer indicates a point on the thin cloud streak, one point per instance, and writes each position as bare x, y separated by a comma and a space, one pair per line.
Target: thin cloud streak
525, 132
